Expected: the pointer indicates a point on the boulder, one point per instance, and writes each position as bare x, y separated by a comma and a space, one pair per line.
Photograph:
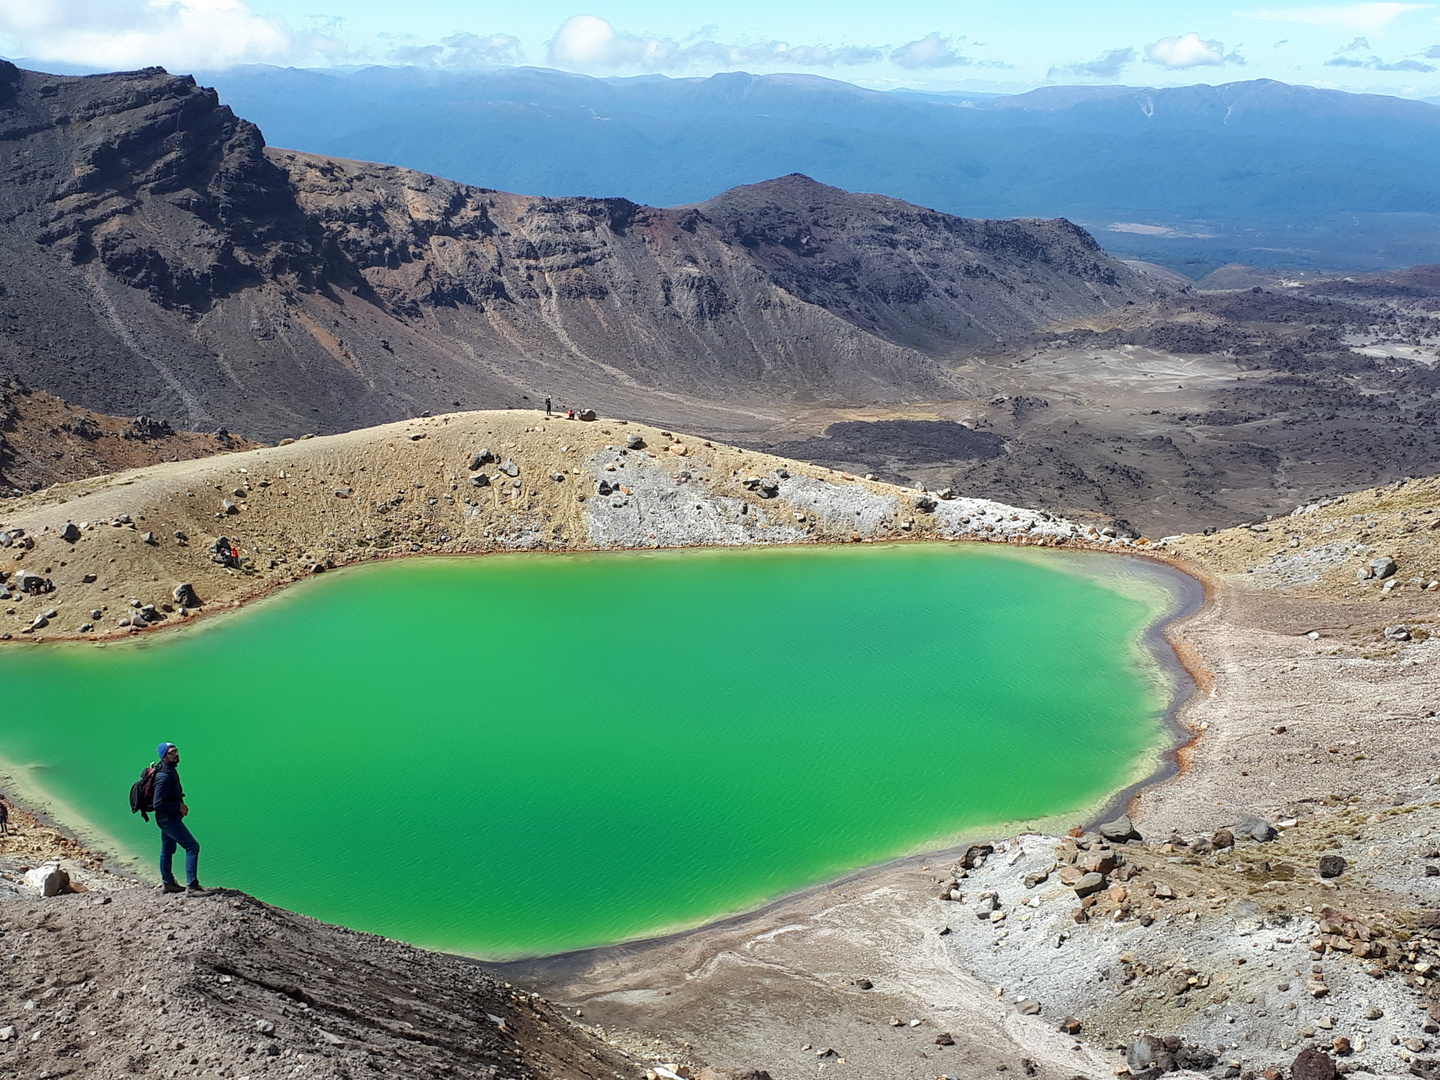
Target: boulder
509, 468
635, 441
1332, 865
1089, 883
183, 594
481, 458
1119, 830
1148, 1053
480, 479
590, 414
975, 855
1384, 567
1312, 1064
1195, 1058
69, 533
925, 504
49, 879
27, 581
1255, 828
1097, 862
1222, 839
1397, 633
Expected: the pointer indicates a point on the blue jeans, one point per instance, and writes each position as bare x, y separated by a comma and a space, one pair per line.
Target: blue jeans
173, 833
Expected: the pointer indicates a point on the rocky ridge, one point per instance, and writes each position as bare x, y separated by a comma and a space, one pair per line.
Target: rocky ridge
156, 546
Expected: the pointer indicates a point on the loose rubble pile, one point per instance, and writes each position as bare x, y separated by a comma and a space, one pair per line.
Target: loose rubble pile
1227, 953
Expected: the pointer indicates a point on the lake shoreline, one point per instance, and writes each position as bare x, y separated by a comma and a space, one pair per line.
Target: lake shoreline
1172, 595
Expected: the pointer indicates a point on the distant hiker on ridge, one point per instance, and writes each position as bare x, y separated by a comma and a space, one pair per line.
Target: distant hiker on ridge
4, 817
170, 811
547, 406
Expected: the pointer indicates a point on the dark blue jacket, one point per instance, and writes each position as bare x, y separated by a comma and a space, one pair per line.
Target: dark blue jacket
168, 792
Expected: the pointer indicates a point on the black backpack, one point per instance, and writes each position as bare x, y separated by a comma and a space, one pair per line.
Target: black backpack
142, 792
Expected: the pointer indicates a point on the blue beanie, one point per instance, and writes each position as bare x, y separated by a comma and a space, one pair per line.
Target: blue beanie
163, 749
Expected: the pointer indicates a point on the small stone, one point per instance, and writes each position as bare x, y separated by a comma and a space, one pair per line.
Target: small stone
1373, 1012
1089, 883
1397, 633
1070, 1026
1384, 567
925, 504
229, 507
480, 480
1341, 1045
1039, 877
944, 1039
70, 533
1223, 838
1255, 828
1332, 866
635, 441
863, 984
1414, 1045
264, 1027
1027, 1007
183, 594
7, 1033
509, 468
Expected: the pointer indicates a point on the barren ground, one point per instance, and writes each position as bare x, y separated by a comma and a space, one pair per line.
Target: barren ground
1227, 951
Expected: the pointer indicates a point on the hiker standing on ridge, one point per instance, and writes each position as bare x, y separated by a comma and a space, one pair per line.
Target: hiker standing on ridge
547, 406
170, 811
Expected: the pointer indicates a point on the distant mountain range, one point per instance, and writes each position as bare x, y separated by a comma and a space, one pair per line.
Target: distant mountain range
1257, 172
156, 257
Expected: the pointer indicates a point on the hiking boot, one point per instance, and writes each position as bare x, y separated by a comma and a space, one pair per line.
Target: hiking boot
171, 887
195, 889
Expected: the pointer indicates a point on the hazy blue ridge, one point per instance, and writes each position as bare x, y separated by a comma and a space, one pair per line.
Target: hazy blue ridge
1259, 171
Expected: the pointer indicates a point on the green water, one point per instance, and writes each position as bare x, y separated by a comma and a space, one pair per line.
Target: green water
522, 754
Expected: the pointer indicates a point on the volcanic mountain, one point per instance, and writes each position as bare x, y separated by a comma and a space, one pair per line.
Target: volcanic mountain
157, 258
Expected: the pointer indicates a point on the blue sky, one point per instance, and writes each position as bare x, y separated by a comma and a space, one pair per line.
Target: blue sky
1385, 47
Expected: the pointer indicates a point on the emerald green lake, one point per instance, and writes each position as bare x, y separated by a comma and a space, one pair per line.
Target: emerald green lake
521, 754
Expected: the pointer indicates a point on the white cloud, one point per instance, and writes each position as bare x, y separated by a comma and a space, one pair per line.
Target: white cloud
1370, 17
1187, 51
931, 51
1106, 66
178, 34
590, 43
462, 50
